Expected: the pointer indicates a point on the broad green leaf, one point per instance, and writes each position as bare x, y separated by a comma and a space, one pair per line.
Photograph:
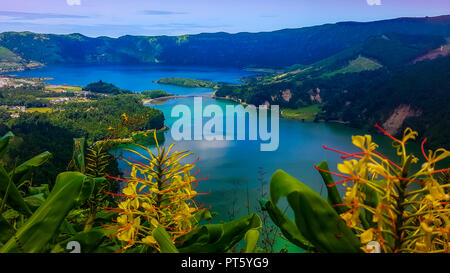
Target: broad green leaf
163, 238
4, 142
89, 240
71, 188
251, 240
314, 217
22, 172
218, 238
287, 227
14, 198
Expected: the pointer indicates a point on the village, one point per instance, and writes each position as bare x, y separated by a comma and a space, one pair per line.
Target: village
50, 96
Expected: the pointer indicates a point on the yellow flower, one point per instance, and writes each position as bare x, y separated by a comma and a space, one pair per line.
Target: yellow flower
130, 227
149, 240
165, 196
130, 189
367, 236
348, 167
364, 143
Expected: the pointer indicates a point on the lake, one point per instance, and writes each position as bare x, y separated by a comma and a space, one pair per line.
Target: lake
233, 167
137, 78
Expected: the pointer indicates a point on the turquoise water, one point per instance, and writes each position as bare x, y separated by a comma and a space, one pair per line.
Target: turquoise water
233, 167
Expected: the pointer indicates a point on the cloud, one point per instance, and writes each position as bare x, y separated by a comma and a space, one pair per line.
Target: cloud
374, 2
18, 15
161, 12
73, 2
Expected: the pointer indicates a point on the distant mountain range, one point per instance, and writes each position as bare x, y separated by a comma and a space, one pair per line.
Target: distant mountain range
265, 49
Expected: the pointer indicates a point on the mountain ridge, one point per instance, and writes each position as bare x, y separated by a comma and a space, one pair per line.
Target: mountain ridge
274, 49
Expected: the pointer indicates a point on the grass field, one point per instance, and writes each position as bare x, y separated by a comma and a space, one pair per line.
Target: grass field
39, 109
60, 88
305, 113
359, 64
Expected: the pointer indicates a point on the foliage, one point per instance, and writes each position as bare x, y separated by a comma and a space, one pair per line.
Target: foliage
105, 88
71, 189
191, 83
220, 238
94, 163
269, 232
29, 221
317, 225
153, 94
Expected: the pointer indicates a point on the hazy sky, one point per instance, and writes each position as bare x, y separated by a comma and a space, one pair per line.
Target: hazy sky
174, 17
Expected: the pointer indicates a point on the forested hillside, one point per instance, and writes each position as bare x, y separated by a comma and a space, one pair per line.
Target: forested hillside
268, 49
375, 82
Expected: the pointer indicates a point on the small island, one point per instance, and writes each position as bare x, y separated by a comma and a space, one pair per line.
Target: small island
190, 83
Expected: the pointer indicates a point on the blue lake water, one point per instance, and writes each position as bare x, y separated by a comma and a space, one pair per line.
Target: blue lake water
233, 167
137, 78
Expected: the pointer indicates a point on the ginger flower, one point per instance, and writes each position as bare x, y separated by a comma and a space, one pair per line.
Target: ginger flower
159, 192
403, 207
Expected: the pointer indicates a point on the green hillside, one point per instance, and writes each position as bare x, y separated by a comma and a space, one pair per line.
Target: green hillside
357, 65
7, 55
275, 49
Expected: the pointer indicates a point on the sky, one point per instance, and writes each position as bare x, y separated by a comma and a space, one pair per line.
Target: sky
115, 18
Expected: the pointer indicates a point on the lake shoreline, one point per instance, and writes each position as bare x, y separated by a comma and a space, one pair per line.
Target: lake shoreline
163, 99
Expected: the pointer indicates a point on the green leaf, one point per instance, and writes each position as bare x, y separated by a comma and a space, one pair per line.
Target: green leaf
67, 227
251, 240
6, 230
78, 154
89, 240
287, 227
13, 197
218, 238
4, 142
165, 242
201, 215
35, 201
43, 188
22, 172
334, 198
71, 188
314, 217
